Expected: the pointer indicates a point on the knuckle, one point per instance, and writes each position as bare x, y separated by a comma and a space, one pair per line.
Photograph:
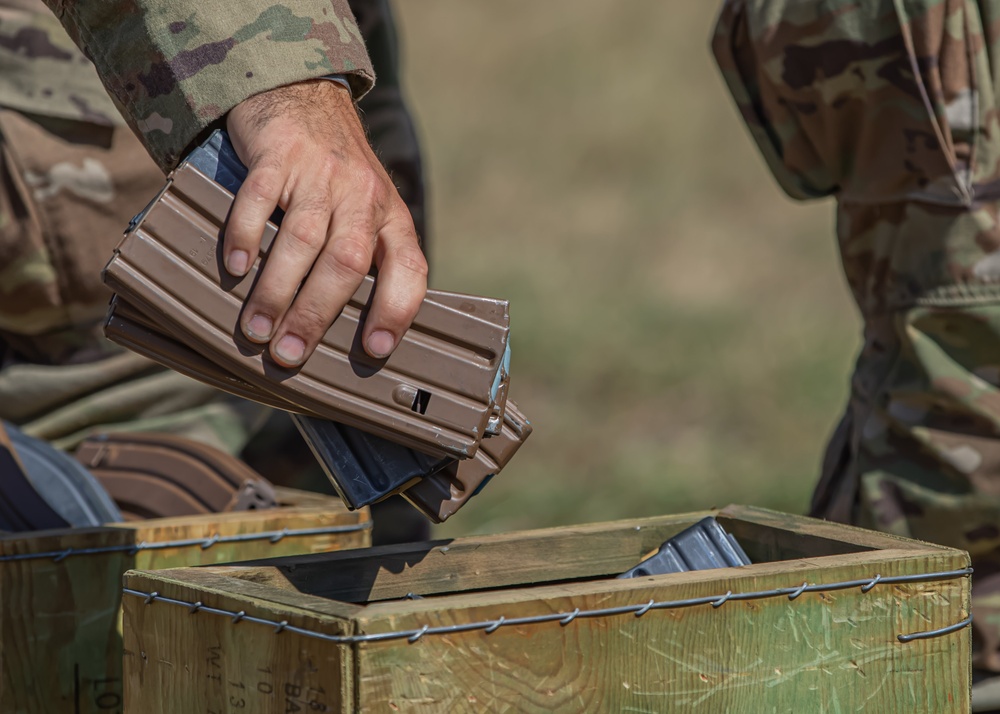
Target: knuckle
309, 319
238, 232
264, 182
329, 166
397, 314
303, 236
349, 255
316, 205
412, 260
372, 189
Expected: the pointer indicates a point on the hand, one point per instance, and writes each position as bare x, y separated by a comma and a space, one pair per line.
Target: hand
307, 153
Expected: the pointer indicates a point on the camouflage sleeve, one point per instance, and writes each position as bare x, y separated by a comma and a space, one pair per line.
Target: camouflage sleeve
173, 67
737, 47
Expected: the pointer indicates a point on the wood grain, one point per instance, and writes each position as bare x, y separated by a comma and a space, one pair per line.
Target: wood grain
61, 625
822, 652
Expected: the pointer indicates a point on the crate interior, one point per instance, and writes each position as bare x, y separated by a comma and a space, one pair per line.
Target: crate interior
533, 558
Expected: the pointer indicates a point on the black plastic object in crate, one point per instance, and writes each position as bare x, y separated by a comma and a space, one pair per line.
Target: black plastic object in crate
703, 546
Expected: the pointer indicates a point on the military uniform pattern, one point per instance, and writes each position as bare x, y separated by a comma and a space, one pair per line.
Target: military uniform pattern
70, 180
70, 188
891, 108
174, 67
43, 72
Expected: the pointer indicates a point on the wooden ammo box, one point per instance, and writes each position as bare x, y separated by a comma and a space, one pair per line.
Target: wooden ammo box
60, 591
829, 618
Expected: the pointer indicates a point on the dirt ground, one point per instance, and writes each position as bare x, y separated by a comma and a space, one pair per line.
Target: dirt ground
682, 336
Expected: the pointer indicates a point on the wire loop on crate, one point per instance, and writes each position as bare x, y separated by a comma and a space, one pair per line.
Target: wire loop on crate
722, 600
570, 617
647, 608
420, 633
873, 583
57, 556
802, 589
565, 618
279, 535
935, 633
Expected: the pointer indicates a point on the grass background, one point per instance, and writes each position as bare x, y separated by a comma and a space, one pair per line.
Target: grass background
682, 335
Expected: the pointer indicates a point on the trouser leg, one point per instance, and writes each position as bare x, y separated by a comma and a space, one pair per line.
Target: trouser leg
918, 451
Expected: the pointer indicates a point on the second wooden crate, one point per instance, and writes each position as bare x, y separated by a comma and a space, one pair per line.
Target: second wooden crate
60, 591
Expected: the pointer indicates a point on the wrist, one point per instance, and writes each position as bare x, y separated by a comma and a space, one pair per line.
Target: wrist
338, 79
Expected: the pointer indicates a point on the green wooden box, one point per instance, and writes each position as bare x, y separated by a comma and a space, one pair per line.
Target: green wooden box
60, 591
829, 619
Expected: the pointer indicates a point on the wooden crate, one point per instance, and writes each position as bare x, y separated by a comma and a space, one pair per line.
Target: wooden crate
337, 633
60, 591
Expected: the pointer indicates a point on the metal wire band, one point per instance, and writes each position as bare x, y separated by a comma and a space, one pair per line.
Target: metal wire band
936, 633
490, 626
203, 543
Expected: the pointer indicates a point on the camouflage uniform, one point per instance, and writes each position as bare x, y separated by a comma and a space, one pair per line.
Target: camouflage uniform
71, 176
892, 108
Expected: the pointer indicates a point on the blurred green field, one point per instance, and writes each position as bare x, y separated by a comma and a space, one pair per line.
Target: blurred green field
682, 334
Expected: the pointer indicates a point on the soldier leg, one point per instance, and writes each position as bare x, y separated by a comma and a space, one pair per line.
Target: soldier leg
892, 108
918, 452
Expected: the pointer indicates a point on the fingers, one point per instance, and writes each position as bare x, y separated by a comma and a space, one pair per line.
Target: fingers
308, 153
336, 274
337, 271
317, 261
300, 240
400, 288
254, 204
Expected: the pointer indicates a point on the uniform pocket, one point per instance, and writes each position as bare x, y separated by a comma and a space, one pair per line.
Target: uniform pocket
30, 293
76, 186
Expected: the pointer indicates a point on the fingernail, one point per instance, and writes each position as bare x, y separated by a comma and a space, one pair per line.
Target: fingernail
290, 349
259, 328
238, 262
380, 343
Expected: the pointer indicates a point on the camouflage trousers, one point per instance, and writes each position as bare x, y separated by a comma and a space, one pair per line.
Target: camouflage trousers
892, 108
67, 191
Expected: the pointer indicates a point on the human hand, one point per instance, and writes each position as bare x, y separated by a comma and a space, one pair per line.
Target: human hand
306, 152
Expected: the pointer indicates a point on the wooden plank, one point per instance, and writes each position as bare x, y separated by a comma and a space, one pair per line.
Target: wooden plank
260, 584
821, 652
61, 628
59, 623
376, 617
776, 535
490, 561
227, 581
528, 558
231, 524
204, 663
307, 499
